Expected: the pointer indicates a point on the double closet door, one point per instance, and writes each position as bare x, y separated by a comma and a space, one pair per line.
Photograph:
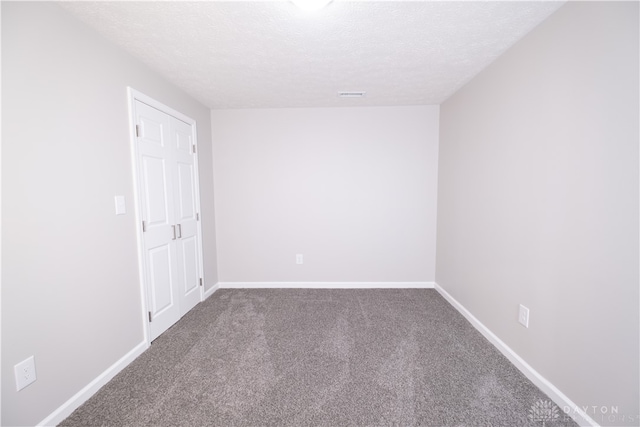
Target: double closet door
169, 204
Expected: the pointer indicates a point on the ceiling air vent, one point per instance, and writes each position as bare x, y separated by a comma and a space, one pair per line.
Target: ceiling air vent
351, 94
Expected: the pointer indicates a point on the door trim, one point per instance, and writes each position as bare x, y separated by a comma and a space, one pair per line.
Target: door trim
133, 96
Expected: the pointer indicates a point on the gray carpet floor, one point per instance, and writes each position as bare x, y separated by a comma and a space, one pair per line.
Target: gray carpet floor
319, 357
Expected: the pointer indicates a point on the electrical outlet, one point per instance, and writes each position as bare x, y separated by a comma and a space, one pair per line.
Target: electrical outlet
523, 316
299, 259
25, 373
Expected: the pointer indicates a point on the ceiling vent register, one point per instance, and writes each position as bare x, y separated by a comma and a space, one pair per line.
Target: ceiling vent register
351, 94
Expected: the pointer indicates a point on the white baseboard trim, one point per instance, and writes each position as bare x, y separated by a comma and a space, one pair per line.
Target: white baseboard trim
559, 398
210, 292
90, 389
327, 285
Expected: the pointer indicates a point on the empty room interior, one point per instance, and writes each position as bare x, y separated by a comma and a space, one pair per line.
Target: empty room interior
371, 213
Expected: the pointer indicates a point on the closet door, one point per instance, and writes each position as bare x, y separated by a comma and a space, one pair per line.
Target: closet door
156, 176
186, 215
168, 202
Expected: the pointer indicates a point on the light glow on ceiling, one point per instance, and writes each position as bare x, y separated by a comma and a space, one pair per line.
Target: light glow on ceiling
311, 5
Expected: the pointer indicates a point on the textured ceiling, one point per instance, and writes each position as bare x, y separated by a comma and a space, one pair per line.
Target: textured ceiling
271, 54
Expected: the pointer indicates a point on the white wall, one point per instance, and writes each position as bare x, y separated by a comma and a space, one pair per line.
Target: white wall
70, 287
538, 202
352, 189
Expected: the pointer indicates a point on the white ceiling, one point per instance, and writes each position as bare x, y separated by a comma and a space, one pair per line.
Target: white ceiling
271, 54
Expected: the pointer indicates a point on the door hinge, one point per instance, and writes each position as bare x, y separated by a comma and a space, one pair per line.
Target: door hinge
197, 216
144, 227
137, 131
194, 148
201, 281
150, 320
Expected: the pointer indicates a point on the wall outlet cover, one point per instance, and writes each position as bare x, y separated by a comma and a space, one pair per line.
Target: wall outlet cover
523, 316
25, 373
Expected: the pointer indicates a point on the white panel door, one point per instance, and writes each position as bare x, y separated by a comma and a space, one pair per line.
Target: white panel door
156, 173
166, 170
185, 192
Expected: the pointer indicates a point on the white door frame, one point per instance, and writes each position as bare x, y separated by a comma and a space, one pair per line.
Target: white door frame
133, 96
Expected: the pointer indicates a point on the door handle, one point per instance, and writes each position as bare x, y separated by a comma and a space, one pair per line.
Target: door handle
174, 232
179, 231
